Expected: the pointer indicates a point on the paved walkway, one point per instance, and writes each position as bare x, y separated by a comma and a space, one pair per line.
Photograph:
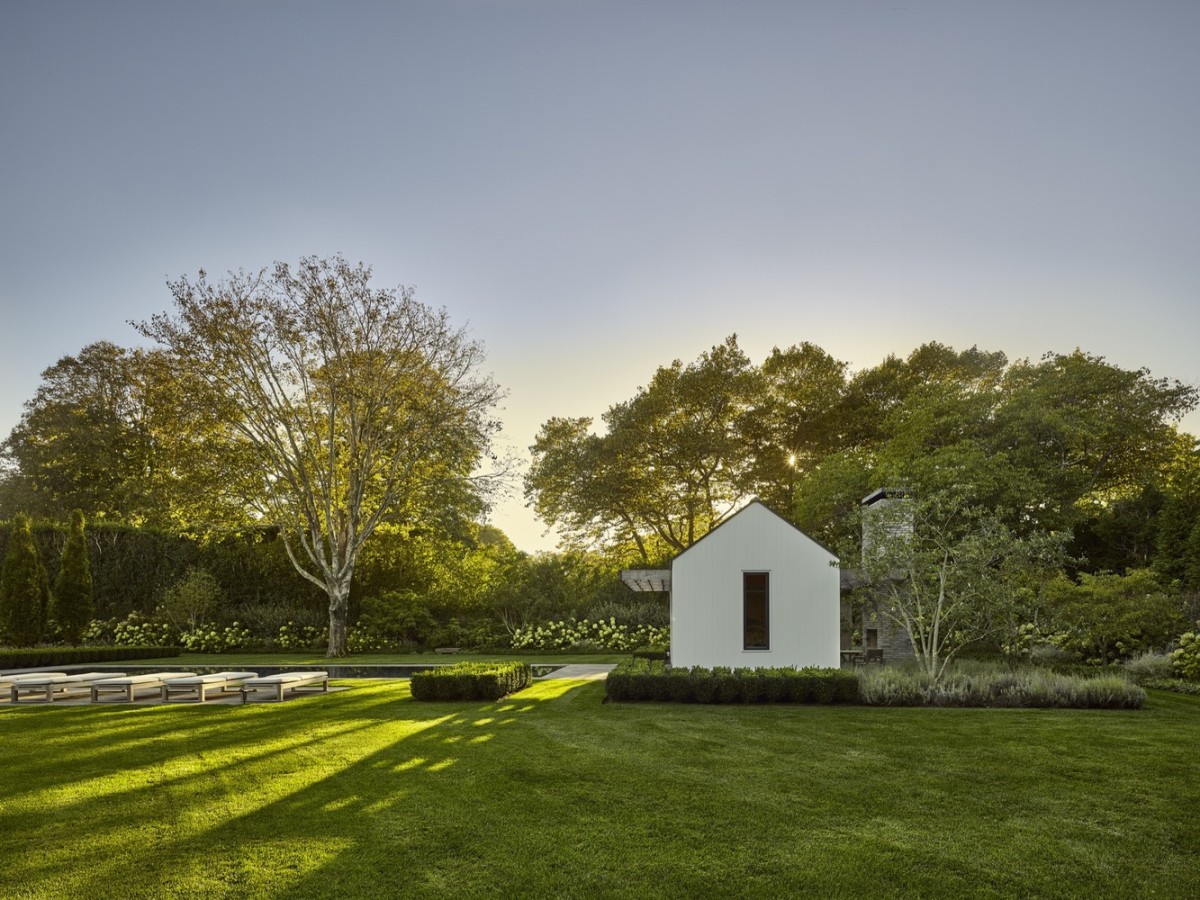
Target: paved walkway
582, 671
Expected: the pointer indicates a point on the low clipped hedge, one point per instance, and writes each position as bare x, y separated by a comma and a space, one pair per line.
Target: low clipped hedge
471, 681
649, 653
65, 656
648, 679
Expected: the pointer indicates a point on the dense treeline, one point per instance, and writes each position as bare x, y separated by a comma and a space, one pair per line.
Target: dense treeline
411, 590
1070, 452
1068, 443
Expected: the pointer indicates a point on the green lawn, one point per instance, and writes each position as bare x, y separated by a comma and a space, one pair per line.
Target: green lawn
318, 658
365, 793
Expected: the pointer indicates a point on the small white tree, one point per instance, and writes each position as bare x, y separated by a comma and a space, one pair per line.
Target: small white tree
358, 405
951, 574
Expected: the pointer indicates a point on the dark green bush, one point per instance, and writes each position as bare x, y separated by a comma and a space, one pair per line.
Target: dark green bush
646, 679
649, 653
28, 658
471, 681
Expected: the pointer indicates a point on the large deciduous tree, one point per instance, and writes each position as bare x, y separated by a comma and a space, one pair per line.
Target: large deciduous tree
358, 405
674, 461
114, 433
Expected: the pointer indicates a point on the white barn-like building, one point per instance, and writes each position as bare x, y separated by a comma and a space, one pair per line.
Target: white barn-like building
755, 591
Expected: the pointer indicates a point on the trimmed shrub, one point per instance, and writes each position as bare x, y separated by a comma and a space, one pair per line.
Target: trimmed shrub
24, 587
647, 679
471, 681
649, 653
64, 656
73, 586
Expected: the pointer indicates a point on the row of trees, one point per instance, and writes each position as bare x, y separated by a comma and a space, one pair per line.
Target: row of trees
307, 402
1068, 443
27, 604
409, 590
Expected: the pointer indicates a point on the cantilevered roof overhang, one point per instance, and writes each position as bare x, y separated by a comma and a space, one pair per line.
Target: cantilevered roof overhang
647, 579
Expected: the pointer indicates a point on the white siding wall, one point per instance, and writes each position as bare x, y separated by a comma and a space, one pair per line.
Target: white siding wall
706, 596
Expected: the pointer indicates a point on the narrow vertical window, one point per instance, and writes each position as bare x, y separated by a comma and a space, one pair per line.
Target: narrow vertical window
756, 611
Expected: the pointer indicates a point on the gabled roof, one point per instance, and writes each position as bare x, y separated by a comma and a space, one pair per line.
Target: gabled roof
754, 502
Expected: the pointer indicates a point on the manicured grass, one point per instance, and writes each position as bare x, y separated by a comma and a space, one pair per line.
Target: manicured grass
318, 658
550, 793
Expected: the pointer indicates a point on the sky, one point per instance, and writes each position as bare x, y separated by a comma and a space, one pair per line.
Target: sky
597, 188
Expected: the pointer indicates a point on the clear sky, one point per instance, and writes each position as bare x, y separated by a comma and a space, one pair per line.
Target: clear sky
598, 188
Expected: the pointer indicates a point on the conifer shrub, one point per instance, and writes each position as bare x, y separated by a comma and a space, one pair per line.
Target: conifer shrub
471, 681
73, 586
24, 587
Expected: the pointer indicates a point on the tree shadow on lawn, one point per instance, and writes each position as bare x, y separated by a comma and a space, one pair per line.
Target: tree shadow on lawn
237, 796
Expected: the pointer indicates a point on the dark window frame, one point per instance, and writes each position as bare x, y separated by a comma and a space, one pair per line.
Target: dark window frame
756, 589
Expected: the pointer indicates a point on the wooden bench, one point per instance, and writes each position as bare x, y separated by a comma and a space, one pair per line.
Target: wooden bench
297, 682
199, 686
50, 685
127, 686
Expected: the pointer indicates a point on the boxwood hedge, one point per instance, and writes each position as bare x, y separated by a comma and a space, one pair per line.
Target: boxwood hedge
31, 657
644, 679
471, 681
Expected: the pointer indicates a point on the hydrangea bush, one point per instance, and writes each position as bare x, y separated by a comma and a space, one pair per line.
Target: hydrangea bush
210, 639
1187, 658
301, 637
137, 631
582, 634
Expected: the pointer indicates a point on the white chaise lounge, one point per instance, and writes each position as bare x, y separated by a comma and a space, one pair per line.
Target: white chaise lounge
127, 686
298, 682
199, 687
7, 681
48, 686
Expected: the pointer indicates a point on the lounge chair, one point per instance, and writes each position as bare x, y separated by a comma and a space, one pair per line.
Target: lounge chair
200, 686
7, 681
128, 685
298, 682
56, 683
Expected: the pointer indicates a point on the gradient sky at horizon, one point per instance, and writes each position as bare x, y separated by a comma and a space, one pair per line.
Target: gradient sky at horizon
598, 188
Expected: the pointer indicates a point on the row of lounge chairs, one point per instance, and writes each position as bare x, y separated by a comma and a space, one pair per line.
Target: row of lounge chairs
48, 686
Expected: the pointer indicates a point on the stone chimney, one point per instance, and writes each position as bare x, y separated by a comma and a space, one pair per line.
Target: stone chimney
885, 512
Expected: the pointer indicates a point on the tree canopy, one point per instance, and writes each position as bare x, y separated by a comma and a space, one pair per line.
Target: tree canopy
357, 405
1047, 445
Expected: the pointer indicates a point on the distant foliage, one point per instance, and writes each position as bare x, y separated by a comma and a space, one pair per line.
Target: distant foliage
73, 586
1109, 617
24, 587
